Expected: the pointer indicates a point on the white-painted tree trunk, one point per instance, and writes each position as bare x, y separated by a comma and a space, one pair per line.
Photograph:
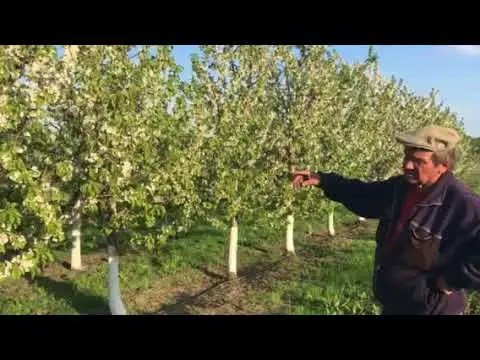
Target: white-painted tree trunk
76, 237
331, 225
233, 247
360, 218
290, 246
114, 298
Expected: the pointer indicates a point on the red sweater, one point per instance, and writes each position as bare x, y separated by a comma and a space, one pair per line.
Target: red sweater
413, 197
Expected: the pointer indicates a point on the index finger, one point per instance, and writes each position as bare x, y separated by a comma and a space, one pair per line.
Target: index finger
302, 172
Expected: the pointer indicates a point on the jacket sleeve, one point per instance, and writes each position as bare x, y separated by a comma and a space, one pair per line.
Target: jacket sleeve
366, 199
465, 275
464, 271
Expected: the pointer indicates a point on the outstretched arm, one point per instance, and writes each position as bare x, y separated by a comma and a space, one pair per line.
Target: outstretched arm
366, 199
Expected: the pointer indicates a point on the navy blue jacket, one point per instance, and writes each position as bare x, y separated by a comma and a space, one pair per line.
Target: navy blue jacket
442, 239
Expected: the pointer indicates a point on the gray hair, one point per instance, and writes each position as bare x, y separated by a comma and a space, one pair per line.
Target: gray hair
448, 158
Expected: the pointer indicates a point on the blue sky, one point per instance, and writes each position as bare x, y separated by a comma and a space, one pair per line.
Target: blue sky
453, 70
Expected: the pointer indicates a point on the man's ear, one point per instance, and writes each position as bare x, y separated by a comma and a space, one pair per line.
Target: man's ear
442, 168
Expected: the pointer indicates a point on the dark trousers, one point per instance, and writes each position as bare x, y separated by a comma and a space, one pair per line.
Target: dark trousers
454, 304
391, 312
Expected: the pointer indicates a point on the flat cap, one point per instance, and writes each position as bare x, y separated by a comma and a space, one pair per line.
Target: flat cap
432, 138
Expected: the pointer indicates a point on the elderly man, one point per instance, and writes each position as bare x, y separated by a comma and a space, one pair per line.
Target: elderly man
428, 237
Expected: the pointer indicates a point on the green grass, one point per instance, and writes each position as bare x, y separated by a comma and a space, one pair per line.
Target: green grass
331, 277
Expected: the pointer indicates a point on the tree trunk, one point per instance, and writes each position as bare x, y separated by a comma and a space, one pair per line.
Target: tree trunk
331, 227
290, 247
76, 237
114, 299
233, 246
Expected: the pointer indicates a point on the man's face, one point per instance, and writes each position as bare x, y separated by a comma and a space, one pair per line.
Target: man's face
419, 168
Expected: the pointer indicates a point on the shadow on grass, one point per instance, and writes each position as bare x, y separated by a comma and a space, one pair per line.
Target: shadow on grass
179, 307
83, 303
216, 295
211, 274
182, 301
358, 231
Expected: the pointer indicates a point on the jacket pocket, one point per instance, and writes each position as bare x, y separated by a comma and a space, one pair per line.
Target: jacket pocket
402, 289
421, 248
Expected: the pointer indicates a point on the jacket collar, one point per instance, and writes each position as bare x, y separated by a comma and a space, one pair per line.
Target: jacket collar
436, 194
